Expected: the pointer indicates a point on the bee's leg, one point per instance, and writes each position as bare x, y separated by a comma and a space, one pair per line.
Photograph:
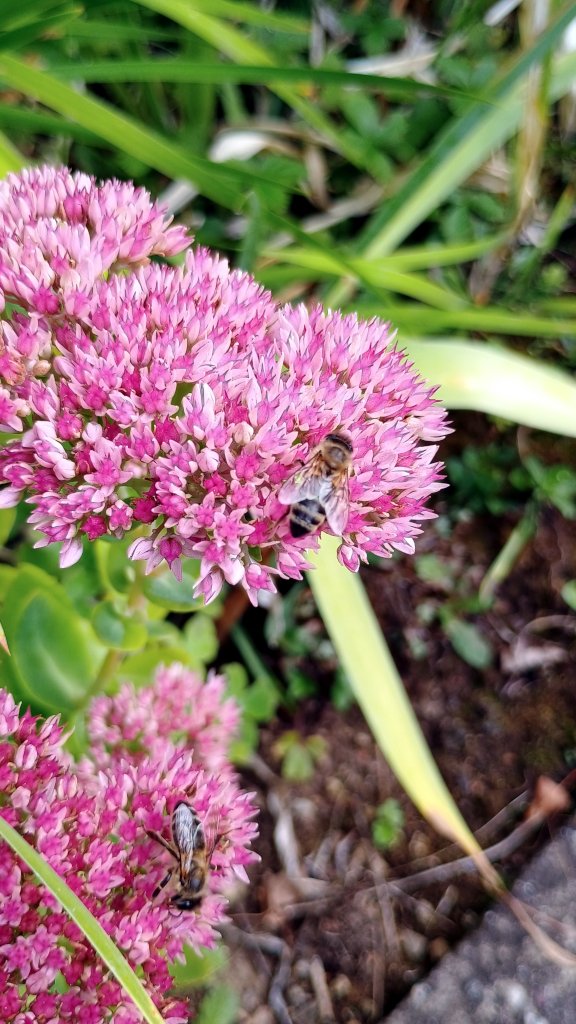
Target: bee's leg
273, 543
161, 884
163, 842
218, 842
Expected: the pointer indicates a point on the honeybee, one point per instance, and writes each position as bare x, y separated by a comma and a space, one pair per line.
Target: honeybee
192, 854
318, 491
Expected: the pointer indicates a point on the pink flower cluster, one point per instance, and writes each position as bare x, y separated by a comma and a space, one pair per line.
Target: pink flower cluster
177, 400
88, 821
180, 705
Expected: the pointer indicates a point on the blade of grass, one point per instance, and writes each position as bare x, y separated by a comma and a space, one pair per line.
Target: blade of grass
479, 376
25, 120
117, 31
250, 14
26, 34
417, 257
174, 69
461, 149
217, 182
473, 318
363, 653
92, 929
377, 276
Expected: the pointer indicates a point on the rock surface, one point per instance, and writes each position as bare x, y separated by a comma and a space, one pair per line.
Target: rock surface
498, 975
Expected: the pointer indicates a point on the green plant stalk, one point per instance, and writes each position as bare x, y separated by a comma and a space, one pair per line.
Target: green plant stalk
362, 650
97, 937
508, 556
534, 128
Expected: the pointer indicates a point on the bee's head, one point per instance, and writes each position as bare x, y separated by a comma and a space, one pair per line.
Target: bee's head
337, 450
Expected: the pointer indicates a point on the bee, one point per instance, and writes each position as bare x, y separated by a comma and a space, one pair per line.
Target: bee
318, 491
192, 855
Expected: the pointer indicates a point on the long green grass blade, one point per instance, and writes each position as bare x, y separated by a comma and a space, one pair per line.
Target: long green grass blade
23, 119
417, 257
365, 657
375, 275
218, 182
251, 14
91, 928
479, 376
489, 319
174, 69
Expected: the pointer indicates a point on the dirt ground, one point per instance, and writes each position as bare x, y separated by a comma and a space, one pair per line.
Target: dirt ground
332, 930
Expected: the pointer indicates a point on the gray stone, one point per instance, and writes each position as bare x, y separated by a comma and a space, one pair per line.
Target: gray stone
498, 975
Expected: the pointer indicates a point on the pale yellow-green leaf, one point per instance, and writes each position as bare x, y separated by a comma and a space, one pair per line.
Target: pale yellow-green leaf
365, 657
473, 375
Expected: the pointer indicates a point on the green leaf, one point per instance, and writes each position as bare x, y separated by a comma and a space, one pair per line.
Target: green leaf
90, 927
54, 653
569, 593
468, 642
298, 763
10, 159
199, 969
201, 638
261, 699
220, 1006
9, 679
387, 824
479, 376
357, 637
433, 569
341, 693
139, 668
115, 568
7, 520
120, 632
162, 588
242, 748
8, 575
237, 678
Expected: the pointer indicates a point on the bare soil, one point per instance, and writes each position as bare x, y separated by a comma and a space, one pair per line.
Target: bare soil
323, 932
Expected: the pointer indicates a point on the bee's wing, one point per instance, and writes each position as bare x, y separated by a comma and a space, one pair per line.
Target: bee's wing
306, 482
336, 504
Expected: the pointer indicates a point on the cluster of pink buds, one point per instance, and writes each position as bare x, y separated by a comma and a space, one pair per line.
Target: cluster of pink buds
89, 821
172, 403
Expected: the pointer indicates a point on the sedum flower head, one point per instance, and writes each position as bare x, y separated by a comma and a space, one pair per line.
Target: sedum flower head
178, 400
178, 706
89, 823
